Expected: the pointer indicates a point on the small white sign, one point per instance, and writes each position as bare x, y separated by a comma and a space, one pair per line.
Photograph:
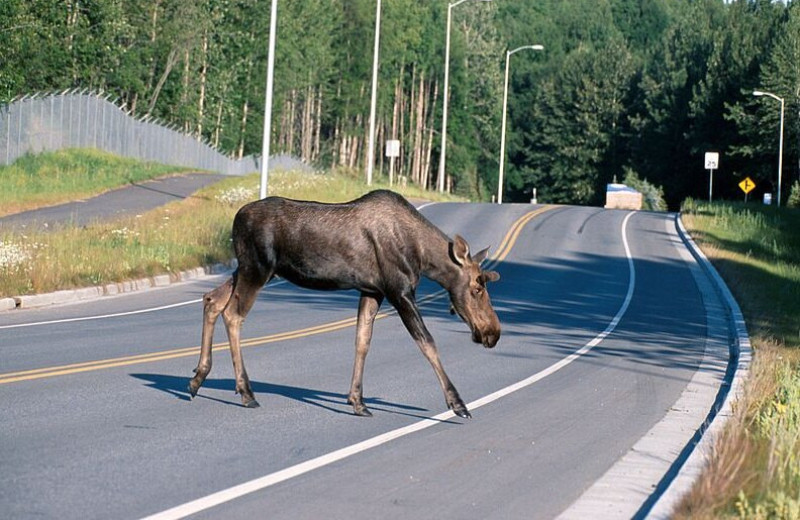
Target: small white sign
392, 148
712, 160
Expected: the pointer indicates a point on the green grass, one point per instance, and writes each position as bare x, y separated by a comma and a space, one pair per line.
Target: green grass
50, 178
179, 236
757, 250
754, 471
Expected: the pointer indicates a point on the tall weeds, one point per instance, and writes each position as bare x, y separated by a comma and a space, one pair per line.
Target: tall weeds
754, 470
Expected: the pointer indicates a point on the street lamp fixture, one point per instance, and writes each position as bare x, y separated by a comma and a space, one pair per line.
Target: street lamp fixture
760, 93
443, 152
505, 108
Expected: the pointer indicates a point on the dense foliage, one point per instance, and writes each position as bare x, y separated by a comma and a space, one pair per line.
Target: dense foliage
647, 85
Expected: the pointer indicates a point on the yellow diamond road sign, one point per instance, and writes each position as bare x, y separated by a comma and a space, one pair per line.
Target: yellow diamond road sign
747, 185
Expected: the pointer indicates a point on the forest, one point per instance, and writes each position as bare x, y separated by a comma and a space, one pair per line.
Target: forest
622, 89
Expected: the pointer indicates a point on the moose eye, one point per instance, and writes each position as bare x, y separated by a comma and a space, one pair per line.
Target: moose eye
476, 291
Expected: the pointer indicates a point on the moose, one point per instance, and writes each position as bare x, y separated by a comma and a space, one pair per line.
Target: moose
379, 245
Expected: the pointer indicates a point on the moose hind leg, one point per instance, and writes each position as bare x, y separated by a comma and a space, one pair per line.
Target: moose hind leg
244, 295
368, 307
213, 304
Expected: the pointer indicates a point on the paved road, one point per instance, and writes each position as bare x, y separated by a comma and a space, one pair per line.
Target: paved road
605, 324
130, 200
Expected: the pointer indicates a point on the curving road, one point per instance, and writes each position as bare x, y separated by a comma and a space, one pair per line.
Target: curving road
605, 322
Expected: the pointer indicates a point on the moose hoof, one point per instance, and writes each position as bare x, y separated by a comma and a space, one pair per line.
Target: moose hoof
362, 412
192, 392
252, 403
461, 411
359, 408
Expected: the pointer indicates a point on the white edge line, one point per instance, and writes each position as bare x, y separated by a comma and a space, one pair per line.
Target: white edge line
113, 315
258, 484
419, 208
100, 317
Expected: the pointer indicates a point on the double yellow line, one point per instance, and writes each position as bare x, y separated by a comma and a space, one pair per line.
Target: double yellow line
40, 373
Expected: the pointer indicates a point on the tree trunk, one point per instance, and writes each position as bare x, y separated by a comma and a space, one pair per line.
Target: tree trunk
153, 34
242, 129
203, 77
172, 59
185, 90
317, 126
307, 130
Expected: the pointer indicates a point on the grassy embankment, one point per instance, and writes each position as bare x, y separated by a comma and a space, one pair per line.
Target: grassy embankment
182, 235
33, 181
754, 472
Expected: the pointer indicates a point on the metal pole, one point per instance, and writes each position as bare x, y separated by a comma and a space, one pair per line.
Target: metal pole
780, 156
710, 183
503, 135
780, 139
505, 109
273, 19
446, 97
373, 102
443, 151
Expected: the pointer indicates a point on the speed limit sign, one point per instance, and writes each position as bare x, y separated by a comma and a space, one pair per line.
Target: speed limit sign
712, 160
712, 163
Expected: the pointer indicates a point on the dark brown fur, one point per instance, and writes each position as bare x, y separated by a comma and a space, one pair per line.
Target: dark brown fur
379, 245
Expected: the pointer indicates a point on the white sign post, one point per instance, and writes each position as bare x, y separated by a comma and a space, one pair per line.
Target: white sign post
712, 163
392, 151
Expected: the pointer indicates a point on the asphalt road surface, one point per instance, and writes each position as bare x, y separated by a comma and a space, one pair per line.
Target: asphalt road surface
604, 325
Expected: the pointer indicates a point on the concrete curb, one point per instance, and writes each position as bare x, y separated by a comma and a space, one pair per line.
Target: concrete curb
33, 301
741, 355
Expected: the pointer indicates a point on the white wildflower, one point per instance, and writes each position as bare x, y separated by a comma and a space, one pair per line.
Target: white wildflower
12, 255
236, 196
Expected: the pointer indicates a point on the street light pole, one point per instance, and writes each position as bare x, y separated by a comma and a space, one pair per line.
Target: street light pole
443, 151
780, 140
273, 20
505, 108
373, 102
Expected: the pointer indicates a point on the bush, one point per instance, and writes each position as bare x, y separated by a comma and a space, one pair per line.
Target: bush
794, 195
652, 195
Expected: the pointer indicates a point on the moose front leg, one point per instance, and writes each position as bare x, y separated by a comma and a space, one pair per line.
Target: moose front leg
412, 319
368, 307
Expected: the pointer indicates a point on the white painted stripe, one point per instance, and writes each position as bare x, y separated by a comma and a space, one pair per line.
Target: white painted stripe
112, 315
101, 316
232, 493
419, 208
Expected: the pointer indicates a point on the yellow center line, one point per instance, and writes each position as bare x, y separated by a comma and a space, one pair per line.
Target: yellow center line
40, 373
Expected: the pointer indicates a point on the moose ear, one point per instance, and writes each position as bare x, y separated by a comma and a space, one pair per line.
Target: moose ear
460, 250
480, 256
490, 276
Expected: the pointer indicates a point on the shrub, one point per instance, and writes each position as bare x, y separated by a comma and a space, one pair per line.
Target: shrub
652, 195
794, 195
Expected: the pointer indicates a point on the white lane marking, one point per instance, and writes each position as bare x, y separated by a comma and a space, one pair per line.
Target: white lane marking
112, 315
101, 316
419, 208
258, 484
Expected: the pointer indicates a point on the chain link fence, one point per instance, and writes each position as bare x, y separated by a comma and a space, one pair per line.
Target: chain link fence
70, 119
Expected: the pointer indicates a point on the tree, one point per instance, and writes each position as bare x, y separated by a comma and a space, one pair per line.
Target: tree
579, 126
